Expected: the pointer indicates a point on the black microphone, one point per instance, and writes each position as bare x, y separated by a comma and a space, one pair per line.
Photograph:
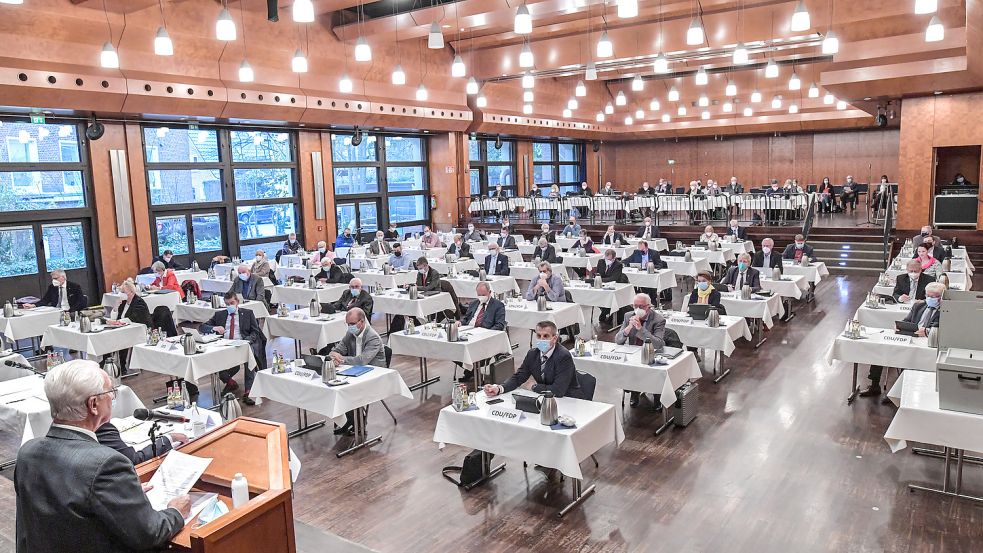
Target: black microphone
149, 414
18, 365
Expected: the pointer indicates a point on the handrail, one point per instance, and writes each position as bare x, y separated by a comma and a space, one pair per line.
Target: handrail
888, 224
810, 214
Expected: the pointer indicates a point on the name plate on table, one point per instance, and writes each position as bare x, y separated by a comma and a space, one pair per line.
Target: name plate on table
506, 414
897, 339
903, 307
616, 357
431, 334
679, 321
306, 373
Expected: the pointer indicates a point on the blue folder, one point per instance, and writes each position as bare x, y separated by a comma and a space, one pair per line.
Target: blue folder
357, 370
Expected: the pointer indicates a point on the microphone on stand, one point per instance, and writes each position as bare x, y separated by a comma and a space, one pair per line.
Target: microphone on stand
22, 366
155, 414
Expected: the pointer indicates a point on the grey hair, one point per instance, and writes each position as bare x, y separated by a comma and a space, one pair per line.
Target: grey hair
158, 266
546, 265
359, 314
646, 297
58, 273
129, 285
914, 264
69, 386
484, 285
744, 257
245, 266
936, 287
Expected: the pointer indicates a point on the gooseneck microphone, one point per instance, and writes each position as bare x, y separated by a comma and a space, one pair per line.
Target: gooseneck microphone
154, 414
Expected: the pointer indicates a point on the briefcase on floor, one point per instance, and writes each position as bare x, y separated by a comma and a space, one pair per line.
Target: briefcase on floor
501, 369
470, 470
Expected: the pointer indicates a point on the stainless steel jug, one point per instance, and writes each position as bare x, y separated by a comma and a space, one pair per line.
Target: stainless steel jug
547, 409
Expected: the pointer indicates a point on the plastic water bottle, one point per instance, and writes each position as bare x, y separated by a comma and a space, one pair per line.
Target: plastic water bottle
240, 491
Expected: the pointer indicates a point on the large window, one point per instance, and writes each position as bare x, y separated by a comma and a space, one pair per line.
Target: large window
382, 179
220, 190
558, 163
491, 166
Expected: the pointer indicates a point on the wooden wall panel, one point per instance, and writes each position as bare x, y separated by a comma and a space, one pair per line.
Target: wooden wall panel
760, 170
802, 157
781, 160
743, 164
118, 256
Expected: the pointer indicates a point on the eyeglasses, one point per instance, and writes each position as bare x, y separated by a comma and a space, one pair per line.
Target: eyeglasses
114, 391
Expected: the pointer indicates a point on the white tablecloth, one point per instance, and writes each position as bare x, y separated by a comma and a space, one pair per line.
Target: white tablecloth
588, 261
687, 268
168, 299
24, 406
882, 318
302, 295
764, 308
10, 373
285, 273
396, 303
390, 281
919, 418
183, 275
171, 360
613, 295
311, 332
461, 265
480, 255
791, 286
633, 375
28, 323
290, 260
330, 401
698, 335
746, 246
719, 257
217, 285
662, 279
524, 271
526, 317
482, 344
202, 311
814, 273
873, 350
109, 340
527, 439
658, 244
464, 286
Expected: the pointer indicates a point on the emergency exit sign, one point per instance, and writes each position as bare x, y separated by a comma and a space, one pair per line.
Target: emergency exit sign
37, 118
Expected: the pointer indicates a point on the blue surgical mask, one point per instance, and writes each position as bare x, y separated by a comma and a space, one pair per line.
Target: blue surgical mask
933, 302
703, 285
243, 277
742, 266
114, 404
543, 345
230, 308
353, 329
356, 291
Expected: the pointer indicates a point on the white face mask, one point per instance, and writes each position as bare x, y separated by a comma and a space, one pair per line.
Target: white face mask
766, 250
542, 275
640, 313
259, 258
55, 283
471, 229
483, 299
914, 276
800, 245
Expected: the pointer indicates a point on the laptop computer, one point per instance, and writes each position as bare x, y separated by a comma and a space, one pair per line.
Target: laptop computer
699, 311
670, 352
906, 328
202, 338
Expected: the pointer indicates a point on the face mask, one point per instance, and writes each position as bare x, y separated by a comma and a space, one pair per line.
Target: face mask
543, 345
800, 245
924, 233
259, 258
471, 229
960, 179
703, 285
542, 275
427, 233
933, 302
742, 266
398, 253
424, 271
322, 250
609, 261
379, 238
55, 283
230, 308
353, 329
243, 277
356, 291
640, 313
914, 276
483, 299
572, 223
167, 260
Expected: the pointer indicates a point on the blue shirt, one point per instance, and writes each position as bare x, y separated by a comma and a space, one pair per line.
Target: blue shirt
572, 230
398, 262
344, 241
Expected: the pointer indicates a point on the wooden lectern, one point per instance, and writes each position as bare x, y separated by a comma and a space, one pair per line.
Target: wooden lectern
258, 449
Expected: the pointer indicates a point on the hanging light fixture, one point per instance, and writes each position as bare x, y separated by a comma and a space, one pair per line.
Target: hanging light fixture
225, 27
661, 64
923, 7
363, 52
472, 87
800, 18
731, 88
627, 8
681, 111
639, 114
704, 101
829, 99
609, 109
527, 109
840, 105
481, 101
654, 105
527, 96
748, 112
528, 81
162, 43
629, 120
525, 56
701, 77
567, 113
794, 83
303, 11
756, 97
935, 31
457, 67
12, 2
435, 39
620, 99
728, 106
345, 84
666, 118
673, 94
591, 73
831, 44
813, 91
421, 93
793, 108
599, 117
694, 35
705, 115
637, 84
109, 58
771, 70
299, 62
604, 47
776, 102
741, 55
523, 21
572, 103
399, 76
580, 90
246, 74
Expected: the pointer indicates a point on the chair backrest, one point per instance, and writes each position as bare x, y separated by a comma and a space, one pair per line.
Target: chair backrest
163, 318
191, 286
588, 383
446, 286
671, 339
389, 355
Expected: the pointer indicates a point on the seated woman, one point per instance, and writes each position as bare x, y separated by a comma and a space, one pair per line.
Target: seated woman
930, 265
704, 293
166, 279
708, 235
827, 197
584, 242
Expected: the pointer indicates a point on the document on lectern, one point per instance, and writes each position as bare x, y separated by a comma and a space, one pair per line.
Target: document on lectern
175, 476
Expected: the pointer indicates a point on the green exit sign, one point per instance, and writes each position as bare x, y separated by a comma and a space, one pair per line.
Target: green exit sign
37, 118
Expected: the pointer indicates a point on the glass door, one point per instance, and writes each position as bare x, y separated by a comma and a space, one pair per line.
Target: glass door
29, 252
361, 216
198, 236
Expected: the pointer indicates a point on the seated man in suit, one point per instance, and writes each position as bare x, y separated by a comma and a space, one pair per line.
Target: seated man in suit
767, 258
430, 239
238, 324
496, 263
379, 246
644, 324
505, 240
917, 239
645, 255
545, 252
249, 286
459, 247
608, 190
572, 229
734, 187
549, 364
547, 284
545, 232
910, 286
498, 194
647, 231
741, 274
613, 238
663, 187
427, 278
848, 195
75, 495
645, 190
167, 258
797, 249
391, 233
736, 231
397, 260
609, 269
923, 313
487, 312
355, 296
345, 239
473, 234
108, 435
292, 245
586, 192
62, 294
361, 345
329, 273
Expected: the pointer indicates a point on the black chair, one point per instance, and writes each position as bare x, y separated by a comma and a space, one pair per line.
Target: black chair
671, 338
163, 318
446, 286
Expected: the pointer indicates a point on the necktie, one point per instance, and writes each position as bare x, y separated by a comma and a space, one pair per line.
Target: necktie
232, 325
480, 316
542, 364
61, 295
740, 280
492, 261
926, 317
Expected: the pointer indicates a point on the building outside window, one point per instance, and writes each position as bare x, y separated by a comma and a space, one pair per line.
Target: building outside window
559, 163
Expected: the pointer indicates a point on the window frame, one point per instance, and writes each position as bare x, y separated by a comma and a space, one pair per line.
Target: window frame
485, 188
554, 161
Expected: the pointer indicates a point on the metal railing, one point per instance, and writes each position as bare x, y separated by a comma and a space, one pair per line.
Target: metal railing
888, 224
810, 215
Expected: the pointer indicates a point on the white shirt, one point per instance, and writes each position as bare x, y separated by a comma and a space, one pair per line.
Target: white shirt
237, 335
78, 429
359, 338
63, 295
492, 262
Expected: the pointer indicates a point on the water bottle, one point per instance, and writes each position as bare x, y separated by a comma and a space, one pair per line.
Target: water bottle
194, 266
240, 491
185, 396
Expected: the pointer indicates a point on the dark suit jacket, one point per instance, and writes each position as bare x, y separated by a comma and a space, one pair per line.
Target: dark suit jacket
431, 283
644, 192
618, 239
550, 237
753, 278
249, 330
391, 234
257, 290
108, 436
915, 315
789, 252
506, 242
774, 260
475, 236
546, 255
465, 250
585, 191
641, 231
377, 248
902, 285
75, 495
654, 258
501, 265
558, 376
347, 301
714, 298
172, 264
76, 299
333, 275
494, 317
138, 313
609, 274
741, 232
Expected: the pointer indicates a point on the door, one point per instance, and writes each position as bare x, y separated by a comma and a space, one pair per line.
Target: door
197, 235
362, 216
29, 252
